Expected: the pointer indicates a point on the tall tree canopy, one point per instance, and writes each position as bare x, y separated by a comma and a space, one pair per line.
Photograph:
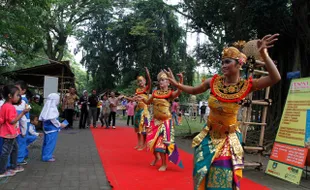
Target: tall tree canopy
119, 46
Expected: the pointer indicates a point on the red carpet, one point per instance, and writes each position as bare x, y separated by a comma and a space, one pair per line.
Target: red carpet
129, 169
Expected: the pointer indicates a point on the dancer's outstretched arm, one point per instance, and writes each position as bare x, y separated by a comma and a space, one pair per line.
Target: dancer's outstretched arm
149, 81
189, 89
140, 98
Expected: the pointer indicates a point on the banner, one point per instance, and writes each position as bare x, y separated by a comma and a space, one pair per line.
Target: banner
289, 153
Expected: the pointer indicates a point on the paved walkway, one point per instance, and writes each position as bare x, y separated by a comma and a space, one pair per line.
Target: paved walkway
77, 166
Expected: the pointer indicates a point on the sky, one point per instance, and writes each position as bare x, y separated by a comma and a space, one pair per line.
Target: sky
191, 38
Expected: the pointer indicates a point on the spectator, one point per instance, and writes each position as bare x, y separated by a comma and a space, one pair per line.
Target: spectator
113, 105
99, 105
105, 112
124, 106
69, 105
92, 112
130, 111
175, 109
202, 111
84, 109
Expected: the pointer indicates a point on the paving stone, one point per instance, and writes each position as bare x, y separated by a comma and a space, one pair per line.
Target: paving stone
77, 166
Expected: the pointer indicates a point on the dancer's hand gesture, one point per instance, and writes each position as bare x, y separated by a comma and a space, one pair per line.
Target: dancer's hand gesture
181, 77
171, 77
266, 42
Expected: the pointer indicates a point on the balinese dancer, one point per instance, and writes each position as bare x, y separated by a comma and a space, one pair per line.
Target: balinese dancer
142, 115
160, 135
218, 156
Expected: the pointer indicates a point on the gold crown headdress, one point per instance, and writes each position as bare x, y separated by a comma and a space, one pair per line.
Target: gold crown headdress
140, 78
162, 75
234, 53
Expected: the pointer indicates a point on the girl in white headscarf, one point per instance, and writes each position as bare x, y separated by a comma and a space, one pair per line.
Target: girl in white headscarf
51, 126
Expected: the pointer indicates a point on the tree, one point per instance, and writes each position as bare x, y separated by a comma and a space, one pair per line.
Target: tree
64, 17
225, 21
20, 31
148, 35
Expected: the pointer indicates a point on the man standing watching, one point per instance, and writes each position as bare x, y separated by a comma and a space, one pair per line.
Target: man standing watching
202, 112
92, 113
69, 105
84, 109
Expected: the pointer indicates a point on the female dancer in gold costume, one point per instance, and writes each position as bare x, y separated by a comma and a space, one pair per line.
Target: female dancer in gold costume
160, 135
218, 156
142, 116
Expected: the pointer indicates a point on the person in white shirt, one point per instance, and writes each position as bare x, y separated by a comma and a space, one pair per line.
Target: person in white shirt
113, 106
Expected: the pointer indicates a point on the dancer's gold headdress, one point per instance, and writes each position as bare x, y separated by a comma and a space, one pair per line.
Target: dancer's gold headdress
140, 78
162, 75
234, 53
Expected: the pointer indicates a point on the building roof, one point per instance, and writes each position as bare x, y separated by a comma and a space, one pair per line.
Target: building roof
35, 75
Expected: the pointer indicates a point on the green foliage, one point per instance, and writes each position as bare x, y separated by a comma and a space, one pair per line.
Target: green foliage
117, 50
129, 90
225, 22
188, 125
19, 26
81, 82
35, 109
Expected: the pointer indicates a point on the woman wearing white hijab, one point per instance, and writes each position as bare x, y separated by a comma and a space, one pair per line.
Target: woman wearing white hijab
51, 126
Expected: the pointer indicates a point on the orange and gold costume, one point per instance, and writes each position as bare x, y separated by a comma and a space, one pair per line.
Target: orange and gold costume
160, 137
218, 156
142, 115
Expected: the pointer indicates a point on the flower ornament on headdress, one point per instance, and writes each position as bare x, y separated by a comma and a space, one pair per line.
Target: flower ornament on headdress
239, 44
162, 75
140, 78
234, 53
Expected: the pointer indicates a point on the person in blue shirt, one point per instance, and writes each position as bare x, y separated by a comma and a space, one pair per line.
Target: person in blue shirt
24, 123
51, 126
32, 135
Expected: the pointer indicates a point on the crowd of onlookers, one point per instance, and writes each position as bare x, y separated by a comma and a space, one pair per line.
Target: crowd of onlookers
90, 108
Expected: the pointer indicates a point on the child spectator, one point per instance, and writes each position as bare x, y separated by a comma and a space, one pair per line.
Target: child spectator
51, 126
9, 130
32, 133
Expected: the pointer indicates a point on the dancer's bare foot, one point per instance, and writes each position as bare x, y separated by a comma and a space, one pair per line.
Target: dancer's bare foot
162, 168
141, 148
153, 163
136, 147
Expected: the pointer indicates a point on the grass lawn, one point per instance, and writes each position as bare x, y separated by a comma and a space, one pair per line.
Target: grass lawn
188, 126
